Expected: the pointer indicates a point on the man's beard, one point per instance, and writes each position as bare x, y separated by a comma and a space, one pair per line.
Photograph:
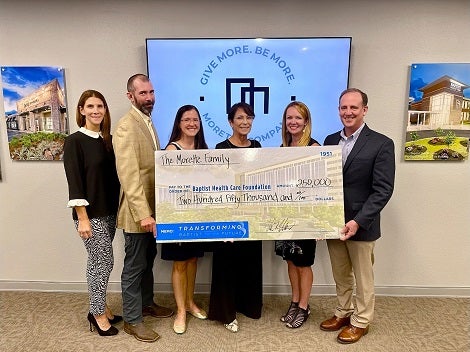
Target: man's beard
146, 108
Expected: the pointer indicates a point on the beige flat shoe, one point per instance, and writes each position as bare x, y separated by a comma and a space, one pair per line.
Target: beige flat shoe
179, 329
200, 315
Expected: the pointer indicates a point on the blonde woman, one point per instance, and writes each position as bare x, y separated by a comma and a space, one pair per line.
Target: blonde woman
299, 254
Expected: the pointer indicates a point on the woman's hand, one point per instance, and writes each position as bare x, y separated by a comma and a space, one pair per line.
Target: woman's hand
84, 228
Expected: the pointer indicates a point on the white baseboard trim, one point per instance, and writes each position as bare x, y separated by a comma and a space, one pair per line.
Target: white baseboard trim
317, 290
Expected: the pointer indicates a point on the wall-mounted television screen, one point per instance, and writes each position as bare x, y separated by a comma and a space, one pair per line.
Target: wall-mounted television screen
267, 73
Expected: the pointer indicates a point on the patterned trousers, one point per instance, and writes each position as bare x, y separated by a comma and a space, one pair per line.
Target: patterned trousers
100, 260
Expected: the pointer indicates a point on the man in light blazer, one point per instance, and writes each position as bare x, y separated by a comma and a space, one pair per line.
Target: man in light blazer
368, 181
135, 142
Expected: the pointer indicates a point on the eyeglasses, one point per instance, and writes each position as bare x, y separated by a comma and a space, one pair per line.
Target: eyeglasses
186, 121
244, 117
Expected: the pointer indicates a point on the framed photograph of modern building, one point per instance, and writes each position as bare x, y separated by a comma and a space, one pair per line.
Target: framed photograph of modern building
438, 119
36, 113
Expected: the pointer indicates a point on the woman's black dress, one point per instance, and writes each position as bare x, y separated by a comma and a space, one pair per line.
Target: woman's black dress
181, 251
237, 274
300, 252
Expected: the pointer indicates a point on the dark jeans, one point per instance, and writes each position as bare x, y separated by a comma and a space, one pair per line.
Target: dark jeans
137, 275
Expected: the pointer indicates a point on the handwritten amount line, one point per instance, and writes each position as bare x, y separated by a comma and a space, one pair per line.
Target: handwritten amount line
251, 202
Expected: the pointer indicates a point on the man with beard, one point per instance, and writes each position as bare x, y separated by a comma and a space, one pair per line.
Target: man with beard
135, 142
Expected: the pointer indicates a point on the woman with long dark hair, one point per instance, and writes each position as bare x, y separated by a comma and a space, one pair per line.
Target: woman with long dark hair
187, 134
93, 185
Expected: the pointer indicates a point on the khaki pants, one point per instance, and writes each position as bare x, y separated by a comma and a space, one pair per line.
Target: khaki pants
352, 264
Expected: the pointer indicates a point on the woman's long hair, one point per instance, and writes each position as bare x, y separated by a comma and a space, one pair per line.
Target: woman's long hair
105, 125
305, 113
199, 140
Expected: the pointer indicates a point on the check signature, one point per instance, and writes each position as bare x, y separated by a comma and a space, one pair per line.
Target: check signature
280, 225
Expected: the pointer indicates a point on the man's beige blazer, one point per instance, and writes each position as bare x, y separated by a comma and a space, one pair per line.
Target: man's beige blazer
135, 162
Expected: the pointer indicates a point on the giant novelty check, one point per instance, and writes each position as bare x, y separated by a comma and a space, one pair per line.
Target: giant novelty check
249, 194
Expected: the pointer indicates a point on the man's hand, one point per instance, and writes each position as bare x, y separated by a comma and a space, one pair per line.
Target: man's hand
348, 230
148, 224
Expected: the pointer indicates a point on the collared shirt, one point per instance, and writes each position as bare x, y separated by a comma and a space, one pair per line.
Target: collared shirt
148, 122
91, 174
347, 143
90, 133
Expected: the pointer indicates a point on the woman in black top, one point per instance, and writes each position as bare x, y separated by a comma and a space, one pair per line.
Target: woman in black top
187, 134
237, 271
94, 194
299, 254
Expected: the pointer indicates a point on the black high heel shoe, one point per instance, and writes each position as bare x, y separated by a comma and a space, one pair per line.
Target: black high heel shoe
291, 312
115, 320
299, 318
110, 332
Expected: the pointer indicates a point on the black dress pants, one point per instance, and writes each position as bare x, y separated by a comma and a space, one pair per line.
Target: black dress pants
237, 280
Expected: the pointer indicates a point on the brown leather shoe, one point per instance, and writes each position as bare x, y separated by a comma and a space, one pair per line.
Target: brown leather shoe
351, 334
141, 332
157, 311
334, 323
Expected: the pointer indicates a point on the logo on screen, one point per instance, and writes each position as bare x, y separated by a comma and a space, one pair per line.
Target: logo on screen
246, 93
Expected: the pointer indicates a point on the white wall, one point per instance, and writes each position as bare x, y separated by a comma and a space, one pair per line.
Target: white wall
425, 244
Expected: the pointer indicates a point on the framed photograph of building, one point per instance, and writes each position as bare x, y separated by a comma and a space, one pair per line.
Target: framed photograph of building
36, 113
438, 119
